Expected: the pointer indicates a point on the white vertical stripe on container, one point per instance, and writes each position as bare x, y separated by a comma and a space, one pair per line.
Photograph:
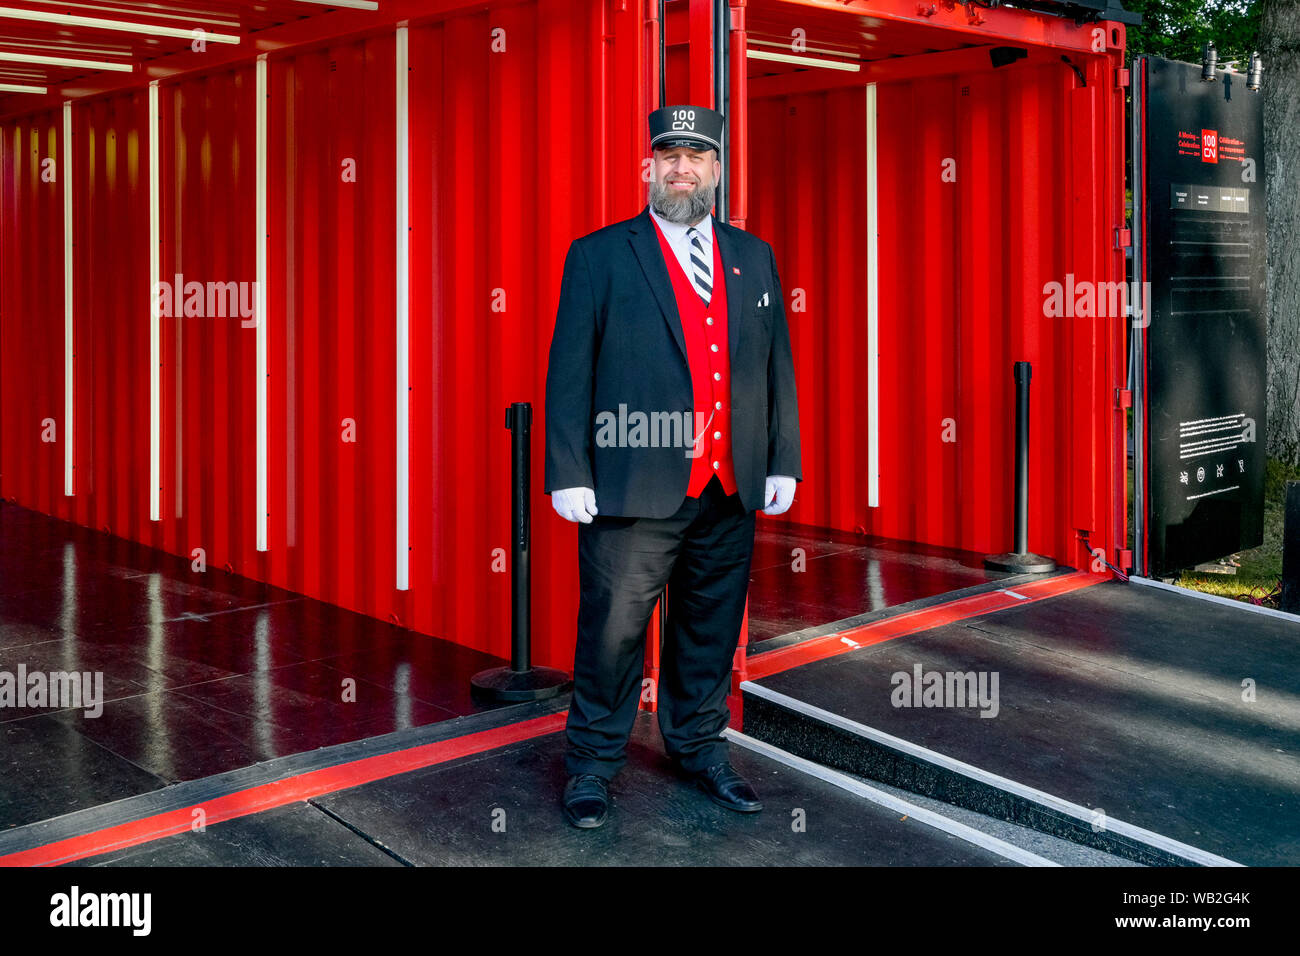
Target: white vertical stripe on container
259, 301
155, 238
69, 408
873, 309
403, 250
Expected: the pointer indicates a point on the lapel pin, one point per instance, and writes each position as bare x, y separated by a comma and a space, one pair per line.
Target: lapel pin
736, 269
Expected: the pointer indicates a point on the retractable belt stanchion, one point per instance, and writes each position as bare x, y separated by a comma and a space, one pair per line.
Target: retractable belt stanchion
519, 681
1020, 559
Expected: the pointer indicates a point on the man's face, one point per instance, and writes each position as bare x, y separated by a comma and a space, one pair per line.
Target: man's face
684, 183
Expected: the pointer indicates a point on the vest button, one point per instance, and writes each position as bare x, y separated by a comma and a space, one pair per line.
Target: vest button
717, 376
717, 434
717, 404
709, 320
714, 347
715, 464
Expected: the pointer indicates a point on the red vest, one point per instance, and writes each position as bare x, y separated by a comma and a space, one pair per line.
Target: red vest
704, 328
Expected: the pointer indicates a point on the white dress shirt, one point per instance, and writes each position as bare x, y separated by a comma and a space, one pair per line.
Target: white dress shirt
680, 243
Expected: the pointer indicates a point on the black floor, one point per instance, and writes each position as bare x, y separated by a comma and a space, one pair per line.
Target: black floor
841, 574
502, 807
201, 673
1116, 697
207, 673
1127, 699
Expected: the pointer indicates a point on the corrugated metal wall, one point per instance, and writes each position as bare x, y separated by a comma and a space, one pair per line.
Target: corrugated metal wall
333, 352
962, 267
208, 193
526, 130
110, 316
31, 284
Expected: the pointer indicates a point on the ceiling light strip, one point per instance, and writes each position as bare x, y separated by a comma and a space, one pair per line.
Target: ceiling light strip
102, 23
7, 57
788, 45
803, 60
185, 14
350, 4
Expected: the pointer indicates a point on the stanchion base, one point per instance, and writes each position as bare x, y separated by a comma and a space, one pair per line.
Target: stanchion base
1024, 563
497, 684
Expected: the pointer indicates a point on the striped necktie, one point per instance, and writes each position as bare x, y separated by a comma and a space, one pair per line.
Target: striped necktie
701, 265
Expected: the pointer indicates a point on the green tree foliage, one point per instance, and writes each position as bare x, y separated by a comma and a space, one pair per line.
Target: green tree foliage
1178, 29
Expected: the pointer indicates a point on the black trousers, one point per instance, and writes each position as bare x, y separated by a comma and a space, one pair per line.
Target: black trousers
703, 553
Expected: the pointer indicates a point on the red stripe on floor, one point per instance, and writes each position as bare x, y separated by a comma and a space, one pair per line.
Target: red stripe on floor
294, 789
819, 648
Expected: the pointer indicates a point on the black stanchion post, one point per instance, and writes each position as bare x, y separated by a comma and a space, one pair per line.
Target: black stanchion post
1020, 559
519, 681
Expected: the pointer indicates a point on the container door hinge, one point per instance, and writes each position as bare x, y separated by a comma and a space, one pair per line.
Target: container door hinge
1125, 560
1121, 78
1123, 238
1123, 398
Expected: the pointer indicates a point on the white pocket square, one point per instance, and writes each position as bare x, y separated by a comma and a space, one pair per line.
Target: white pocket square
763, 301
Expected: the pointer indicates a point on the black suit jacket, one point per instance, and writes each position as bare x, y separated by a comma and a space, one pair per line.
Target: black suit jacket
618, 340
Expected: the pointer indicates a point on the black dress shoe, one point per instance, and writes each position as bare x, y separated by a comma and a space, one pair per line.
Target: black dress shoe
586, 800
727, 788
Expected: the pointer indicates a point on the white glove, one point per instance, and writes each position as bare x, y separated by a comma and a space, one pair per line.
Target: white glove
574, 504
781, 488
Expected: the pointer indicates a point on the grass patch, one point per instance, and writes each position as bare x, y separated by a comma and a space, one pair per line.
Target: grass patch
1259, 576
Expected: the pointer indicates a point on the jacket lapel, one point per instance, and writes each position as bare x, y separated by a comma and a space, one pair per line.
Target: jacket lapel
730, 259
645, 242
